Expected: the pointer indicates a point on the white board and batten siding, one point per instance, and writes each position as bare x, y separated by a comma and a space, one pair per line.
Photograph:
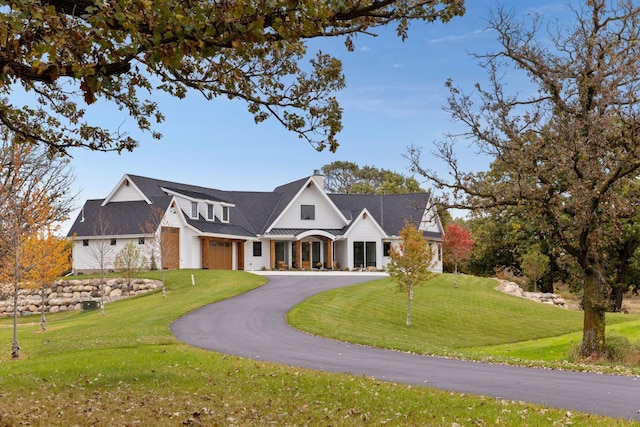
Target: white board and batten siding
87, 258
364, 230
125, 192
254, 263
325, 214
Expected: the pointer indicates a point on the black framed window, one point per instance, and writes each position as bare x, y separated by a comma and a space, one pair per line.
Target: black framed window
386, 248
257, 248
308, 212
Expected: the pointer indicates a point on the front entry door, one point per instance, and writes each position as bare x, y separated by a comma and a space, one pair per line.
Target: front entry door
306, 255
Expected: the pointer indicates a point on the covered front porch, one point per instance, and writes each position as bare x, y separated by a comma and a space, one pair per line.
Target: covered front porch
304, 251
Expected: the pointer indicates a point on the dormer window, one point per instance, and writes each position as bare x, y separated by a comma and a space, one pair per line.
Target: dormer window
194, 209
308, 212
210, 212
225, 214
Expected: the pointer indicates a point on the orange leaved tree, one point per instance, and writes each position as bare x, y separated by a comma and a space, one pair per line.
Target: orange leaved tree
457, 244
48, 257
411, 262
34, 190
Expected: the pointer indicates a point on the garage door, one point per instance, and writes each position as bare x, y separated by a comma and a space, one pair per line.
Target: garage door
220, 255
170, 247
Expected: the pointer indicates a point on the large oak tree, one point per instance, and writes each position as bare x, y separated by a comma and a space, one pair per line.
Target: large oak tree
563, 154
72, 53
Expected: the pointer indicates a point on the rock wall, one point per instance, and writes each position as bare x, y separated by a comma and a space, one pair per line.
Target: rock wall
65, 295
542, 297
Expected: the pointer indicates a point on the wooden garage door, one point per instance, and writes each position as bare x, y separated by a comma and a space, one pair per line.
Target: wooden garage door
220, 255
170, 242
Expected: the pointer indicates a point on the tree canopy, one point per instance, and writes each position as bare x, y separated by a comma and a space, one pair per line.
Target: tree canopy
347, 177
563, 154
72, 53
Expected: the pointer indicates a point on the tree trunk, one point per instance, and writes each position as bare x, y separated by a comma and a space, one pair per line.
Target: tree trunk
617, 296
410, 296
593, 337
164, 289
455, 275
15, 347
102, 296
43, 319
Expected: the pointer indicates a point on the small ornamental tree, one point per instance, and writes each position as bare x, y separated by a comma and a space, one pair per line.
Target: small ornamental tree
130, 261
456, 244
411, 262
49, 257
534, 265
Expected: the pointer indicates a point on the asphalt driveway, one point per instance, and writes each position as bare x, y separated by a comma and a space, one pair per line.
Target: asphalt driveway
253, 325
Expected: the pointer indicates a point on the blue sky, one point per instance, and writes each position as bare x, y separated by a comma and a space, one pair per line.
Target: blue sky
394, 98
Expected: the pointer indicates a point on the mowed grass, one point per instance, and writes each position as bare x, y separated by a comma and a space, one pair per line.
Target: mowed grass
470, 320
126, 369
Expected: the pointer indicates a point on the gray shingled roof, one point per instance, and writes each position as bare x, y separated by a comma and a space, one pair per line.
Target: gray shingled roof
121, 218
253, 212
389, 210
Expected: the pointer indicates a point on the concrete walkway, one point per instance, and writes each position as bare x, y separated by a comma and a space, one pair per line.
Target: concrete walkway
253, 325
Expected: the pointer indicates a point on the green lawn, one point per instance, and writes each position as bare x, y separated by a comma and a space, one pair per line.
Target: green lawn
126, 369
470, 320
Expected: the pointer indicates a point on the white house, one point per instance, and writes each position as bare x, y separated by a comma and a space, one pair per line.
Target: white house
297, 225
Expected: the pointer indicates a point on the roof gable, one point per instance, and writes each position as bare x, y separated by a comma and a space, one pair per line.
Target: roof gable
364, 215
126, 191
308, 191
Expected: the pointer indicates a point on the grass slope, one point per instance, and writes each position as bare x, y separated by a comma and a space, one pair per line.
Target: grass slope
471, 320
126, 369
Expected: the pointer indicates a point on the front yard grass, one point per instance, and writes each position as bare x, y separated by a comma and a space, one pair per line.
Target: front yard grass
126, 369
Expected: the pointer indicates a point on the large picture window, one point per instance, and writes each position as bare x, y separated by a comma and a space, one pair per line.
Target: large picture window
364, 254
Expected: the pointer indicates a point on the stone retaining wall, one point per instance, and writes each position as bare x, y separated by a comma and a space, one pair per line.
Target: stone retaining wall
545, 298
65, 295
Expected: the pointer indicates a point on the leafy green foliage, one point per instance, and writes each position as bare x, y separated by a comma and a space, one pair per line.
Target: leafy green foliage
65, 50
349, 178
534, 266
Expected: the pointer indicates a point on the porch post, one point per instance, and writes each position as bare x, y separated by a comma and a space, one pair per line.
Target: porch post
272, 254
299, 254
329, 254
204, 261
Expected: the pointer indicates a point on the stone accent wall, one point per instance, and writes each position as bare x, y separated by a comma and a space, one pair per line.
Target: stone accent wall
65, 295
545, 298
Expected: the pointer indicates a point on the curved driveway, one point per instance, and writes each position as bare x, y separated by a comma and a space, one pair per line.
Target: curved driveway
253, 325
